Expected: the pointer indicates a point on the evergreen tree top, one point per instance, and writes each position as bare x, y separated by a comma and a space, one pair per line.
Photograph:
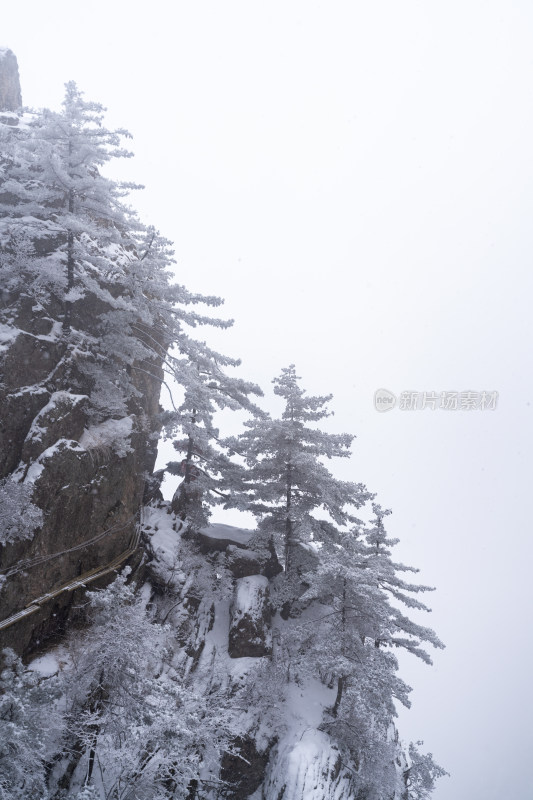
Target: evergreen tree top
299, 406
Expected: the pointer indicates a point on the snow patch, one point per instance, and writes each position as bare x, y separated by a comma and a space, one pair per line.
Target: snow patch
306, 703
35, 470
46, 665
240, 668
35, 389
37, 430
113, 433
159, 526
249, 597
8, 334
308, 768
74, 294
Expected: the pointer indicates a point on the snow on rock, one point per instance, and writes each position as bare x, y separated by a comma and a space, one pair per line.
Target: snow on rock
241, 562
35, 469
51, 663
19, 517
112, 434
307, 768
244, 753
160, 527
305, 702
244, 562
53, 335
8, 334
219, 536
63, 417
19, 409
250, 634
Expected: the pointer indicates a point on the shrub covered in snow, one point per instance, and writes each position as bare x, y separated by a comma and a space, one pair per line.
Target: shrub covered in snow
19, 516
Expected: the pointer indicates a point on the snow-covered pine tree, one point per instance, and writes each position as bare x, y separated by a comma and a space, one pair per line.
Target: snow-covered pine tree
73, 252
209, 473
134, 728
19, 517
57, 200
29, 724
70, 248
394, 629
287, 483
422, 774
350, 632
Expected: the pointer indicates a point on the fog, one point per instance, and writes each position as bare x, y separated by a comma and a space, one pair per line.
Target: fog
355, 179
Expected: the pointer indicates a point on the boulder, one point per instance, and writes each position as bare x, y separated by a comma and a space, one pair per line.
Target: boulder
243, 768
243, 562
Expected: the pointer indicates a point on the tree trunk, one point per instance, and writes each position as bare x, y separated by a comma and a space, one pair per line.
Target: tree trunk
184, 499
92, 756
67, 320
188, 457
340, 690
341, 681
288, 520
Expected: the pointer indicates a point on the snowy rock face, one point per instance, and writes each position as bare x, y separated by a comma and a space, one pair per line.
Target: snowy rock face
243, 563
10, 95
250, 635
244, 772
87, 477
308, 768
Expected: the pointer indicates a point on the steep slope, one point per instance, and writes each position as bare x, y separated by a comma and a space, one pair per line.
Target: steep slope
247, 724
79, 402
90, 323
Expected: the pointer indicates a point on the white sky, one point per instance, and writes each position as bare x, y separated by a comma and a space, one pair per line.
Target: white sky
356, 180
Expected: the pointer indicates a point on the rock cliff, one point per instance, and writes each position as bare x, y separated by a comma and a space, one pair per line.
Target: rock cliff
88, 479
85, 468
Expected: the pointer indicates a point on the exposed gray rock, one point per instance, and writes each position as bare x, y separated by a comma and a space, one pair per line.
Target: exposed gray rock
250, 617
243, 562
10, 94
217, 537
64, 416
90, 494
17, 411
244, 772
83, 502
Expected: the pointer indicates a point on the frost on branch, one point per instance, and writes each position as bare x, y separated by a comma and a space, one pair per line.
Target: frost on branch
29, 726
19, 517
